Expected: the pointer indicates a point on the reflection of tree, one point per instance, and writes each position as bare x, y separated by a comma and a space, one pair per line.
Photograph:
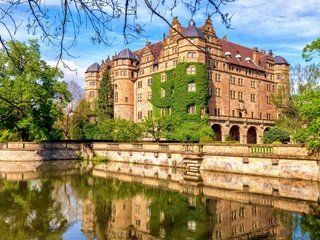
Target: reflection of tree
179, 216
311, 222
29, 212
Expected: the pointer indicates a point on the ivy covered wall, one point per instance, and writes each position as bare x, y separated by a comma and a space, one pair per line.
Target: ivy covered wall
177, 97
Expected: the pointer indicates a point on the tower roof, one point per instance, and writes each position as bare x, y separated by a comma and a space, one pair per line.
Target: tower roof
93, 68
192, 31
126, 54
280, 60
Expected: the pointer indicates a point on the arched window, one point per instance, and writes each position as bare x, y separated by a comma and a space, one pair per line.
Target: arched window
191, 70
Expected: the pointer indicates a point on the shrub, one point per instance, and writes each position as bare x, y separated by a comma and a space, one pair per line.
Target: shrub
275, 134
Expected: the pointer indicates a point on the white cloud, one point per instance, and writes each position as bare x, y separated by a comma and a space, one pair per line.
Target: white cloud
280, 18
71, 71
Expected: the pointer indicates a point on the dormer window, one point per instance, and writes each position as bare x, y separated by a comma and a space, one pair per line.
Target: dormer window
248, 59
238, 56
227, 54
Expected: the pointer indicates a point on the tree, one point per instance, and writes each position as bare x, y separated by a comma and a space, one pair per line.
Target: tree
80, 117
310, 49
104, 103
31, 96
57, 25
275, 135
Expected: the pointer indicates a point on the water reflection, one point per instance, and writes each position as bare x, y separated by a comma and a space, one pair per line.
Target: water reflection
159, 205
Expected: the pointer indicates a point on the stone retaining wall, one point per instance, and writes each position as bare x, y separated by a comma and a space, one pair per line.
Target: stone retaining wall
287, 161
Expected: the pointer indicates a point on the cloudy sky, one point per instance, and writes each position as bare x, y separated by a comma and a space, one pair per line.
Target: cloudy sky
283, 26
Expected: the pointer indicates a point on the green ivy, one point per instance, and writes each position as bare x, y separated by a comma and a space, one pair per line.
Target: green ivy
177, 96
187, 127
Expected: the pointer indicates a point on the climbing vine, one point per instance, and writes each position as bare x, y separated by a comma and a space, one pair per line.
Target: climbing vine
177, 97
171, 90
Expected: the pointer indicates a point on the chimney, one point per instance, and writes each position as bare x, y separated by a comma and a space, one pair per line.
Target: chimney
255, 56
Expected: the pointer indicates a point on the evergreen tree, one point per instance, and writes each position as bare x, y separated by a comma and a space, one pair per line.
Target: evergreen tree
104, 103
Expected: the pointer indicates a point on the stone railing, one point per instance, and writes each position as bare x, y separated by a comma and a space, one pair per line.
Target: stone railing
183, 148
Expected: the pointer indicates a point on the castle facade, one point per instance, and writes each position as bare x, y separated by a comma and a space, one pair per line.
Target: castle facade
242, 81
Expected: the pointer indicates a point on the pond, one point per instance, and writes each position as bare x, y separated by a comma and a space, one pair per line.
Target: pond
70, 205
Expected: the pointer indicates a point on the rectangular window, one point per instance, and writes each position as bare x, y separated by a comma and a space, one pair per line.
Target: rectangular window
139, 84
268, 100
233, 94
253, 97
139, 97
240, 82
150, 113
240, 96
217, 77
163, 77
210, 91
217, 111
233, 80
139, 115
192, 109
191, 87
149, 81
253, 84
149, 95
217, 92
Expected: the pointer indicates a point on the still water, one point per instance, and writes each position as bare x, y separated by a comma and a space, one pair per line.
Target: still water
105, 207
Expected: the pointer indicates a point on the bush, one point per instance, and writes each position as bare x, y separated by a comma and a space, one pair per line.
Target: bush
206, 139
275, 134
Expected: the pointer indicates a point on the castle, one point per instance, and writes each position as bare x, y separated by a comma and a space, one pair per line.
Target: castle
241, 81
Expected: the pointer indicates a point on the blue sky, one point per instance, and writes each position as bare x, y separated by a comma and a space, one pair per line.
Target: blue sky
283, 26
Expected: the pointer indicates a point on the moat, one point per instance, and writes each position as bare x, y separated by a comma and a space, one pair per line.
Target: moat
131, 201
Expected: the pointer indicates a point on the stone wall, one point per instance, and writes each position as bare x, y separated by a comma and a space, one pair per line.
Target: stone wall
286, 161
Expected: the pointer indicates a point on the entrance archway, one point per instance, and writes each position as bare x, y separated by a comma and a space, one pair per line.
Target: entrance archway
252, 135
217, 132
234, 133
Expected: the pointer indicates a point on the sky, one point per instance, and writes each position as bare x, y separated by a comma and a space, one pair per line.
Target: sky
282, 26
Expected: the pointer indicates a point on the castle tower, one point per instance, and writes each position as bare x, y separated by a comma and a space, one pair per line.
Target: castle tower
125, 64
193, 44
281, 77
92, 80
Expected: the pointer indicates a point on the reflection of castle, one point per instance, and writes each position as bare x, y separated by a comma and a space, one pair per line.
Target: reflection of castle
243, 221
241, 80
129, 219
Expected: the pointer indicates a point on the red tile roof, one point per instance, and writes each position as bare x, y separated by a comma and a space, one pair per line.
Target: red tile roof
244, 52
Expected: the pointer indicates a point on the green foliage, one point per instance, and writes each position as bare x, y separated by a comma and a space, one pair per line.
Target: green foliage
190, 131
206, 139
310, 49
181, 125
31, 97
308, 105
104, 103
80, 118
96, 160
119, 130
8, 136
275, 134
28, 211
310, 224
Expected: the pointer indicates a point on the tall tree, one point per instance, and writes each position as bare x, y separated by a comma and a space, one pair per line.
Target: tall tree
30, 94
104, 103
